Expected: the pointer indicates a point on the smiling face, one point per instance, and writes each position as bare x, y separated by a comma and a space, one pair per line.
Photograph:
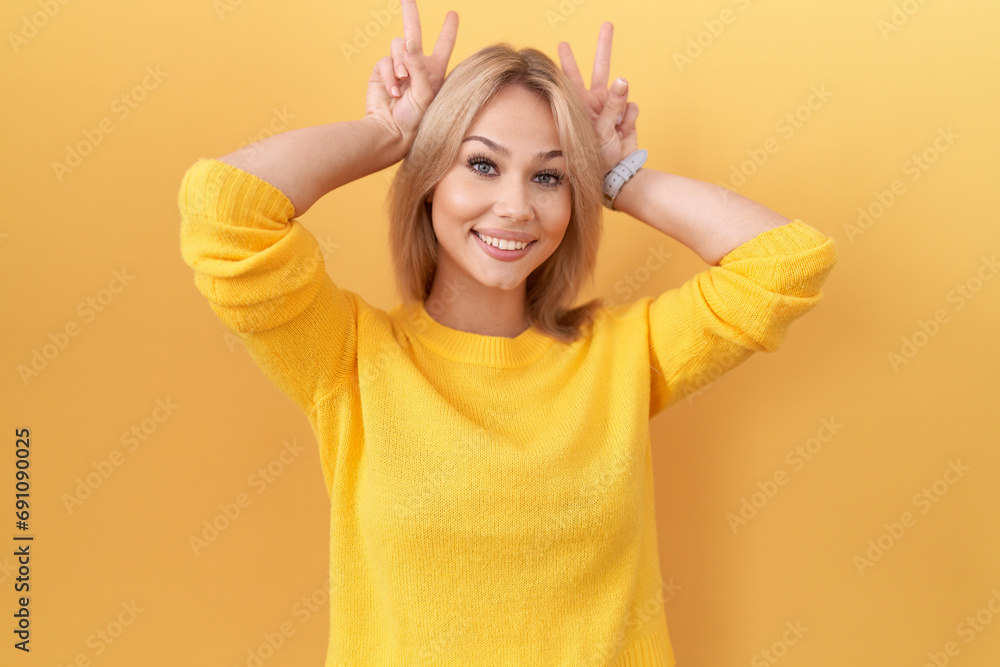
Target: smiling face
508, 183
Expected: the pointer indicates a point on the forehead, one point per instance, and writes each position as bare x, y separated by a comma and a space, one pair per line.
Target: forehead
518, 118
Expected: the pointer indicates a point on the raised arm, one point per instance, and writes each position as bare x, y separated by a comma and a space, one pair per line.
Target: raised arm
707, 218
307, 163
261, 271
766, 271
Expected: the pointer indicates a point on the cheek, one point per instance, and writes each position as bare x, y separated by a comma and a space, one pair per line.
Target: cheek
459, 201
562, 212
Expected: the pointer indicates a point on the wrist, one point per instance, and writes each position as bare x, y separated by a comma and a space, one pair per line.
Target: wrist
620, 174
391, 144
633, 198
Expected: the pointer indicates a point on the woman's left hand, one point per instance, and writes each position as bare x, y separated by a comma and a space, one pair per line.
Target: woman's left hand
610, 111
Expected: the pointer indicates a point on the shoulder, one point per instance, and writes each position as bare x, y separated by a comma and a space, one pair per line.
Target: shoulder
617, 323
616, 315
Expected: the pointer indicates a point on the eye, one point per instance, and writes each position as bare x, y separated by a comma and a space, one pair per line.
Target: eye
476, 161
555, 179
481, 165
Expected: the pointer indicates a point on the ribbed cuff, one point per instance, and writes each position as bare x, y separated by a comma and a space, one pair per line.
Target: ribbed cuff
257, 267
787, 239
222, 191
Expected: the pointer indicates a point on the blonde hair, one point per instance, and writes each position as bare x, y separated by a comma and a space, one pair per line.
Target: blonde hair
472, 84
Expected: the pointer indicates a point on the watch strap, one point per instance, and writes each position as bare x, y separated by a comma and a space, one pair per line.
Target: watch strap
621, 174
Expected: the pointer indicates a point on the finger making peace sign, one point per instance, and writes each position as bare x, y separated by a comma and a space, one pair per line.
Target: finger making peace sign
402, 85
612, 115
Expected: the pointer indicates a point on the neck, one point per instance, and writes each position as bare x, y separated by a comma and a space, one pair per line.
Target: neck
467, 306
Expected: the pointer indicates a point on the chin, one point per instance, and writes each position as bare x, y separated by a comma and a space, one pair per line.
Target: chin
503, 285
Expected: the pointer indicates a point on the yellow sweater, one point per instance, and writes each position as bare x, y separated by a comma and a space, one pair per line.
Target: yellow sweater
491, 498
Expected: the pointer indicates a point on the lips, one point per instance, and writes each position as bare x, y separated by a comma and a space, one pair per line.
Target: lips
497, 253
507, 235
488, 238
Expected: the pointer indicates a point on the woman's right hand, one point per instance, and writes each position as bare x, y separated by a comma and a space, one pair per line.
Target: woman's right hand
403, 85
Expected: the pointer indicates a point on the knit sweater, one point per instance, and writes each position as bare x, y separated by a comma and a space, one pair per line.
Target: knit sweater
491, 498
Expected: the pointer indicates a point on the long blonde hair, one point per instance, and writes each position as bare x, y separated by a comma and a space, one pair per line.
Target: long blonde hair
554, 285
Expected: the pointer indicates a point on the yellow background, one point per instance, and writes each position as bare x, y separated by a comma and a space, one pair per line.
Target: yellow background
226, 76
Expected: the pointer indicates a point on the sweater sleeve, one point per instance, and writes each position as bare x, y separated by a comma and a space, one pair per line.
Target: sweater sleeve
721, 316
264, 275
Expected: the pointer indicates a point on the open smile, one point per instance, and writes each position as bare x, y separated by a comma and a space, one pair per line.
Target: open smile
497, 253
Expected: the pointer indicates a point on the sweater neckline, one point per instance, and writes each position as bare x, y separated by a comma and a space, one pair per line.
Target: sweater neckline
465, 346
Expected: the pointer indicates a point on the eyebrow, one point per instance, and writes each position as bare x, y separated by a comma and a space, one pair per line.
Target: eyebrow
540, 155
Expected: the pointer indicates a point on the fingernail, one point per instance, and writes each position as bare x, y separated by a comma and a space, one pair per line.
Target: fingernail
395, 91
411, 46
620, 116
619, 86
400, 72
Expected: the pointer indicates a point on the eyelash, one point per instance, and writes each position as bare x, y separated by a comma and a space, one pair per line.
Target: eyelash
479, 158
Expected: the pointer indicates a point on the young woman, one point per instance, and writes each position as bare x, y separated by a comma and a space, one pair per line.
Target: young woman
485, 444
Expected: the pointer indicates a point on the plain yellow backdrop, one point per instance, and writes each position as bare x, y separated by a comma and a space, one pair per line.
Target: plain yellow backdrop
845, 485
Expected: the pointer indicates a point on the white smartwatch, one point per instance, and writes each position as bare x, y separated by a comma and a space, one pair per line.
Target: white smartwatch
620, 174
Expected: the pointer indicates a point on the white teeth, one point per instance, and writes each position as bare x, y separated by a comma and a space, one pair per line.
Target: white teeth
503, 244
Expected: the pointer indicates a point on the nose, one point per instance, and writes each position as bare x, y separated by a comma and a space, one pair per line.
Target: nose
514, 201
